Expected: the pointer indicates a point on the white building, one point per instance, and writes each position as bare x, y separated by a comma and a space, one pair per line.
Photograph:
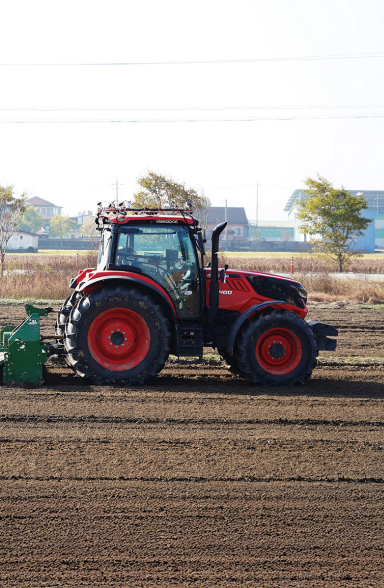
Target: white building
23, 241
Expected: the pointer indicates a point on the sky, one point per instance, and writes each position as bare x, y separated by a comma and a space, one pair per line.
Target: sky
240, 100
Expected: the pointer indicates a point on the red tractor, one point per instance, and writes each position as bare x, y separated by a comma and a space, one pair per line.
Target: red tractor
151, 295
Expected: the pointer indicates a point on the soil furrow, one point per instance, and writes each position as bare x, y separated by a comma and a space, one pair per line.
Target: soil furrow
194, 479
151, 421
199, 478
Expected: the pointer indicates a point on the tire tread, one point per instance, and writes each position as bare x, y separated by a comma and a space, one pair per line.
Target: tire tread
95, 299
249, 335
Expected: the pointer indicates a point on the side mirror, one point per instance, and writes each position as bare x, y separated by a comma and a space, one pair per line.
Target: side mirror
201, 242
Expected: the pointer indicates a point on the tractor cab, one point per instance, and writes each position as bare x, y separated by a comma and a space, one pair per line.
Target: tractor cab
157, 245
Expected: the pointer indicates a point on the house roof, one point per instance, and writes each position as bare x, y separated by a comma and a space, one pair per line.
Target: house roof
25, 232
297, 195
37, 201
375, 199
235, 215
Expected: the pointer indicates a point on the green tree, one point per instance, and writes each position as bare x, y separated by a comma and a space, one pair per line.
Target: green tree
89, 230
335, 215
61, 226
11, 209
32, 220
159, 192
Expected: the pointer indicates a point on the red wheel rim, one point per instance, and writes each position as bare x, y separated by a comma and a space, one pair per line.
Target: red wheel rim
278, 351
119, 339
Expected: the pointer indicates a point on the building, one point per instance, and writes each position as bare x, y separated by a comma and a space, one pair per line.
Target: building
373, 236
47, 209
272, 231
375, 200
79, 219
237, 227
82, 217
23, 241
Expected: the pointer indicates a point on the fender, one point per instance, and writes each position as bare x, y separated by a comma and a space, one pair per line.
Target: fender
244, 316
95, 283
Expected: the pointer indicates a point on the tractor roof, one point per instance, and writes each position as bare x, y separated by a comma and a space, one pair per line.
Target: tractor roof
119, 214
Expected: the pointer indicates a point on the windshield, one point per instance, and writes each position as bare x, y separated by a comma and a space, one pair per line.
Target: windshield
166, 254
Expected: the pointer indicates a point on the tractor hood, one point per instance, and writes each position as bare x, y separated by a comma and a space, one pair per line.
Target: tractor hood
261, 277
242, 288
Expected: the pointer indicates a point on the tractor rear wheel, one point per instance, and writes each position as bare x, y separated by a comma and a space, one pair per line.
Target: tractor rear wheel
63, 314
117, 335
277, 349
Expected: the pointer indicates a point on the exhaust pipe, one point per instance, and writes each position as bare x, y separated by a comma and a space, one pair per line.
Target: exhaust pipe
214, 285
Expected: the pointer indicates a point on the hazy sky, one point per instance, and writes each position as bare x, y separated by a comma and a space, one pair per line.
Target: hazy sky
231, 64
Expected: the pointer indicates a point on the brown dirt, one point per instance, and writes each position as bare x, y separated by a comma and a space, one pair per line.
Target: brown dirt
199, 479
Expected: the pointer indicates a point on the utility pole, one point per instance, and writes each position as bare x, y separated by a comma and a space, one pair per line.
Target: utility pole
257, 202
117, 190
226, 228
257, 206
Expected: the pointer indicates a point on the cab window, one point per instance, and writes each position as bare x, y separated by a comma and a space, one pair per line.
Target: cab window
164, 253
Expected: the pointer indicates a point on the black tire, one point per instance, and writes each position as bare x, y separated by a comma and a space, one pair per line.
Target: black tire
231, 361
63, 314
276, 349
117, 335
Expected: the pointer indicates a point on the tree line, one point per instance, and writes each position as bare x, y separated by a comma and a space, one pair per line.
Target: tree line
332, 218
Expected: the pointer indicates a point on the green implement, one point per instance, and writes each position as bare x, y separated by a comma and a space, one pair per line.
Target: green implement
22, 354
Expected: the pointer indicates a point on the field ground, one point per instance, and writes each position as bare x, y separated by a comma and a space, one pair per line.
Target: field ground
199, 479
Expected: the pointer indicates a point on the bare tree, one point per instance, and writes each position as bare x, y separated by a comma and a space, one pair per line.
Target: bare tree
11, 210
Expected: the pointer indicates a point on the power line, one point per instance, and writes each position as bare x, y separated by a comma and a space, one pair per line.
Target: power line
201, 62
184, 108
191, 120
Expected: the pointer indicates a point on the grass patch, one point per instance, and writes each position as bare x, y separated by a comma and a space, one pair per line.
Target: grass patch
303, 264
357, 361
41, 277
286, 254
59, 252
45, 277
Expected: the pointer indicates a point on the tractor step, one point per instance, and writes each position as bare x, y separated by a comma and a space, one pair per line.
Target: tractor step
189, 340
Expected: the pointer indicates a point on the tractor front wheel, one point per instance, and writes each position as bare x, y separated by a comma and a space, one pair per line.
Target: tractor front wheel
117, 335
277, 349
231, 361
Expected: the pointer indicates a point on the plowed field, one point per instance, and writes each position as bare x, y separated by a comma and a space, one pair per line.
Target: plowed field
199, 479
